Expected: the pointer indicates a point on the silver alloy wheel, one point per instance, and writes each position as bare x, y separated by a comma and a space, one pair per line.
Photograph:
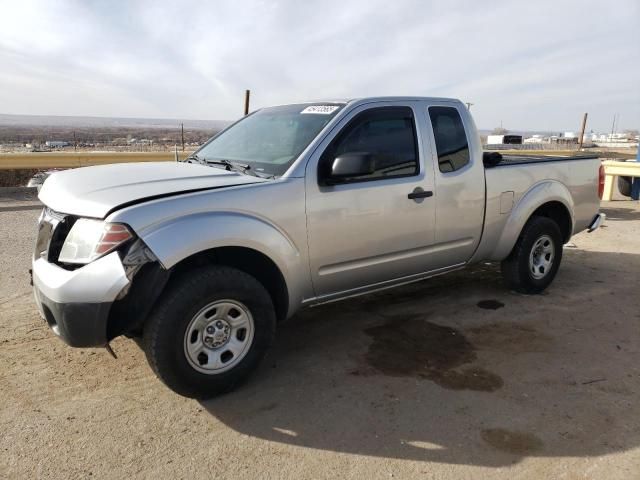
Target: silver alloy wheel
541, 257
218, 336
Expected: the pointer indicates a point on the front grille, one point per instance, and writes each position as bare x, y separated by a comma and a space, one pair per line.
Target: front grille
45, 229
58, 238
52, 231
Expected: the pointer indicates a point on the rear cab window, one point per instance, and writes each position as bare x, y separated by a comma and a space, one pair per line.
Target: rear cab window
450, 137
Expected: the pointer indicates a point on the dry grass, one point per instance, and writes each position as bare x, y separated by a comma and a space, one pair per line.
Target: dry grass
16, 178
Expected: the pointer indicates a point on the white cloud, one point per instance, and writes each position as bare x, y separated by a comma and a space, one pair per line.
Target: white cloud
531, 65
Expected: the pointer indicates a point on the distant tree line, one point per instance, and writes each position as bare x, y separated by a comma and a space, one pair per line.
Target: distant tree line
39, 135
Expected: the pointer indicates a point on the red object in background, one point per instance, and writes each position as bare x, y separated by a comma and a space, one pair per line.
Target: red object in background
601, 182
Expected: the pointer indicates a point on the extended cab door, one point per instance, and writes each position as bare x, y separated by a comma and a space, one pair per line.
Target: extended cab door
459, 179
380, 226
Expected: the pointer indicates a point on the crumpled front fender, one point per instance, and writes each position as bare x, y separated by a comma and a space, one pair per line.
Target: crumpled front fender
180, 238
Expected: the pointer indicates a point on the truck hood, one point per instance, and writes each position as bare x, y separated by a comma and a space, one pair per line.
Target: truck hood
95, 191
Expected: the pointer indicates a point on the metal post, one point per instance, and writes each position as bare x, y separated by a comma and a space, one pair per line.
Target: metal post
247, 93
584, 124
635, 181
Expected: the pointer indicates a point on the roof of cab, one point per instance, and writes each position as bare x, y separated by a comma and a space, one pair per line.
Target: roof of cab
400, 98
360, 100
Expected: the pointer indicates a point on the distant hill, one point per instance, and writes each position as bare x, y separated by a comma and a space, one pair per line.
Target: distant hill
107, 122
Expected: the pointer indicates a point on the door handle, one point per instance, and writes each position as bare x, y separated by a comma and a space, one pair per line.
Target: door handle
419, 193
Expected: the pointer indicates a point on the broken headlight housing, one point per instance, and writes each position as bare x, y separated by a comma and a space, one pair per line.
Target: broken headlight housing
90, 239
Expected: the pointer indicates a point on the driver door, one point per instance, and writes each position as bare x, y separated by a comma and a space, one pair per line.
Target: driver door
367, 230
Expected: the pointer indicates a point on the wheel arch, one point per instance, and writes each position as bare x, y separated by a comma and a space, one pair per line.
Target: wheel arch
248, 260
224, 238
549, 199
559, 213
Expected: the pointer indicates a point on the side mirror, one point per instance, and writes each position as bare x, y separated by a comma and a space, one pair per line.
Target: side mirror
350, 165
491, 159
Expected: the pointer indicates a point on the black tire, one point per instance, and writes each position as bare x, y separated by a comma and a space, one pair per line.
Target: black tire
624, 186
516, 270
188, 294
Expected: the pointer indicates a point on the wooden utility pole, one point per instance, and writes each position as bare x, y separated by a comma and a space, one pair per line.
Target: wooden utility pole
182, 135
584, 125
247, 93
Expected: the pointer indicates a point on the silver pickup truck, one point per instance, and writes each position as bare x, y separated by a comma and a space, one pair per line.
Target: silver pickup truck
292, 206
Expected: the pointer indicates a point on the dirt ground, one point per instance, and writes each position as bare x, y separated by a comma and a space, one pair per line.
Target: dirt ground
454, 377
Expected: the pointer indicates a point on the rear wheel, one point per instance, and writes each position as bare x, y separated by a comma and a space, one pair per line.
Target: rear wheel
535, 259
210, 331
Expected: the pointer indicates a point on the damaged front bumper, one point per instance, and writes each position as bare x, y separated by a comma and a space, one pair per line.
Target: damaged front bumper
76, 303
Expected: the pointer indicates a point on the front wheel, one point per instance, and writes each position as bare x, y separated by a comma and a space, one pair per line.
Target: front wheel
209, 331
535, 259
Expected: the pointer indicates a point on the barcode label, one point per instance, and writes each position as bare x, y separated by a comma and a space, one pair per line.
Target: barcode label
320, 109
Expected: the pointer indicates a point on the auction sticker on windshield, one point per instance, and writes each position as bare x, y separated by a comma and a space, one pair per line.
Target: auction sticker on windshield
320, 109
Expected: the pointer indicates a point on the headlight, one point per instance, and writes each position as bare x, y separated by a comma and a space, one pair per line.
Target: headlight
90, 239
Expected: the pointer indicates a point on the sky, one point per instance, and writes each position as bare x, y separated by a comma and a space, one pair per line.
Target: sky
528, 65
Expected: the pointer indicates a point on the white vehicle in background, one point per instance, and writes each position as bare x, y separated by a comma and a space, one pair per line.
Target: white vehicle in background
38, 179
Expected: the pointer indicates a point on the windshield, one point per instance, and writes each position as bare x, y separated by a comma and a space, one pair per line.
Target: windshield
269, 140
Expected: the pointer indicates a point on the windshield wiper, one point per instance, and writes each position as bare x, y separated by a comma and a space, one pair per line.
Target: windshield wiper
228, 164
196, 157
238, 167
264, 175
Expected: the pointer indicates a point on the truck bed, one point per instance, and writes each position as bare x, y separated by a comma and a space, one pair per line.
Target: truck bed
528, 159
515, 176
